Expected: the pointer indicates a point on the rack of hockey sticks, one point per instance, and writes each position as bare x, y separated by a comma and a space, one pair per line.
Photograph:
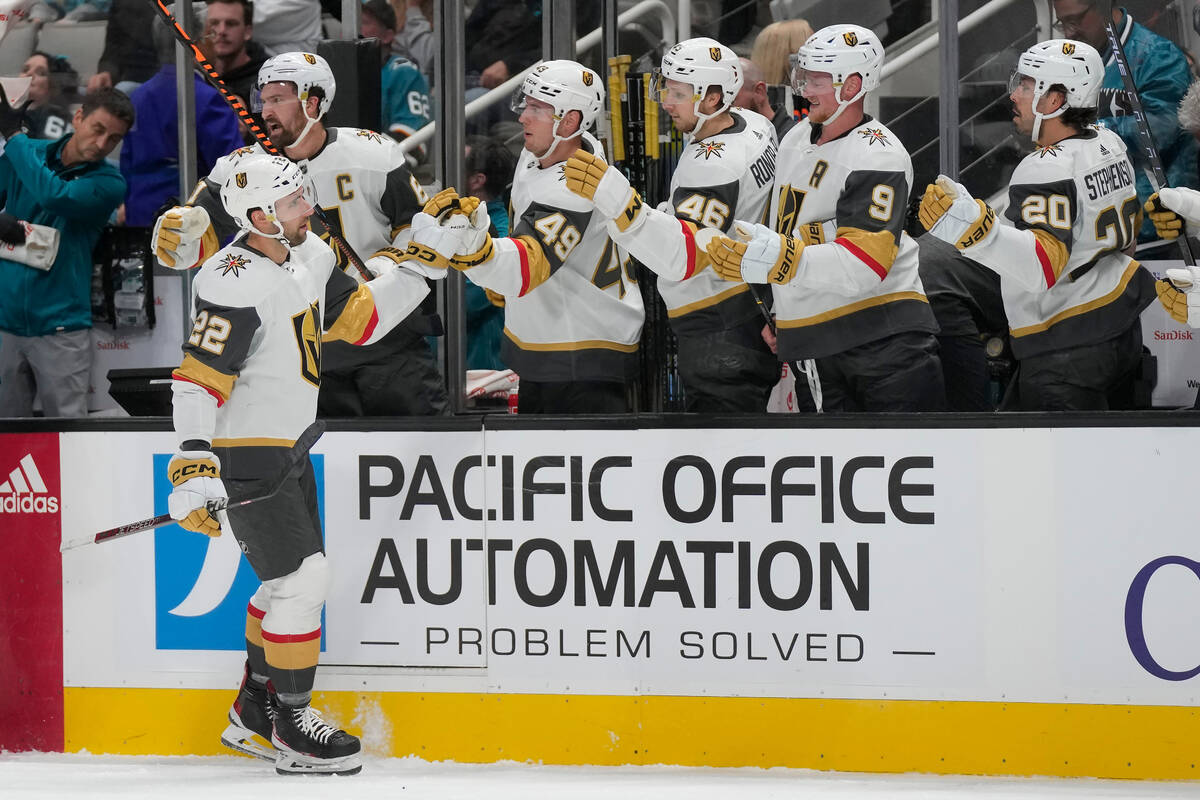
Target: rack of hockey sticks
296, 456
648, 157
213, 77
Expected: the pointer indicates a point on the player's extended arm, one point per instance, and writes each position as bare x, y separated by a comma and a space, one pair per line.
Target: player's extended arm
674, 248
1032, 258
509, 266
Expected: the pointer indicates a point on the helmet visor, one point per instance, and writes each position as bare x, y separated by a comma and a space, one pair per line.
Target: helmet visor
1018, 80
666, 90
805, 80
274, 94
300, 203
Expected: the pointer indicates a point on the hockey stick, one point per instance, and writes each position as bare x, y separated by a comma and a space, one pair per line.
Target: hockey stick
295, 457
235, 104
1144, 133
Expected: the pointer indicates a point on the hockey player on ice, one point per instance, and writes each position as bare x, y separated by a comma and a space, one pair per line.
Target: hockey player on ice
247, 387
724, 173
843, 271
1071, 292
365, 188
572, 311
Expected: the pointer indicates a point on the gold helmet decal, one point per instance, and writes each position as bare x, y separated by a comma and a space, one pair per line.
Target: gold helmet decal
715, 52
240, 180
310, 58
1068, 48
587, 78
851, 38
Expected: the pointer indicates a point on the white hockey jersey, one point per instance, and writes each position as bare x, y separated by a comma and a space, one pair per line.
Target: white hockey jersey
257, 333
362, 183
861, 284
1065, 282
719, 179
573, 310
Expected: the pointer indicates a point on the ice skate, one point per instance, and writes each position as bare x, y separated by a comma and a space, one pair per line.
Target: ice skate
308, 745
251, 720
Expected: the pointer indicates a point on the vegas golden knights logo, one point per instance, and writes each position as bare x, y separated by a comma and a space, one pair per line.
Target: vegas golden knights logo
587, 78
310, 58
1068, 48
851, 38
308, 341
715, 52
240, 180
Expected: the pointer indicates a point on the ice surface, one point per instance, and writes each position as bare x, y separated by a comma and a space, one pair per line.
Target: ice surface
55, 775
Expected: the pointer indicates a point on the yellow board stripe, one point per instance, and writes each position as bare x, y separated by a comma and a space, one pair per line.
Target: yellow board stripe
1106, 741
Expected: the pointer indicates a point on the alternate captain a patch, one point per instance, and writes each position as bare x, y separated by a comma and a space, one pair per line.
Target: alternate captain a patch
873, 135
233, 262
708, 149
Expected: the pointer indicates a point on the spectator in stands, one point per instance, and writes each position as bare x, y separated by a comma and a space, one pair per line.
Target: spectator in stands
45, 314
488, 174
753, 96
150, 155
285, 26
775, 45
55, 86
414, 37
1161, 76
229, 33
128, 58
405, 91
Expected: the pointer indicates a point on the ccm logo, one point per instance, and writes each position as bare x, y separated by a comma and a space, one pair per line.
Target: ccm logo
194, 469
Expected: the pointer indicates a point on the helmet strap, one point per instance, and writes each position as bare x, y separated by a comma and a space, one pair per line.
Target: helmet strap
556, 138
1038, 116
702, 118
842, 104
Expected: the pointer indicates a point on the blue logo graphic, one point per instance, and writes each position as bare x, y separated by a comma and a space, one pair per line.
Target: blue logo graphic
202, 585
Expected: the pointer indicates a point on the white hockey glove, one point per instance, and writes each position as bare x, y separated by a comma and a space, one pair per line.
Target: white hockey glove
950, 213
592, 179
432, 245
477, 239
757, 254
1171, 209
196, 476
1179, 294
183, 237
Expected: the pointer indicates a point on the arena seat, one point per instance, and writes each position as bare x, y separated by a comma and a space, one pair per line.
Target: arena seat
18, 44
81, 42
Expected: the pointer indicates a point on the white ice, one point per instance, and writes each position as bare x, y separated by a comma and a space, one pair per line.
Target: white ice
46, 775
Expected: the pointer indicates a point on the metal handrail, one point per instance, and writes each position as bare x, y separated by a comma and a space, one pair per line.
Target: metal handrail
505, 90
927, 45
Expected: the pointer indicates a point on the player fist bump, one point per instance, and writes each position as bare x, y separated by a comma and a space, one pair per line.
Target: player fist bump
196, 478
950, 213
183, 237
758, 255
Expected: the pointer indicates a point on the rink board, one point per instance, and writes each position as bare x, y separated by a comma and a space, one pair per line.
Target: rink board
963, 600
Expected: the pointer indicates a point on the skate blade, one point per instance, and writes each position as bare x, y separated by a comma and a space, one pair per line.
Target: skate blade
245, 742
295, 764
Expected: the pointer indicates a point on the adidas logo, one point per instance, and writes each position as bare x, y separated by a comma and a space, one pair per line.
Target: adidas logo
25, 491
